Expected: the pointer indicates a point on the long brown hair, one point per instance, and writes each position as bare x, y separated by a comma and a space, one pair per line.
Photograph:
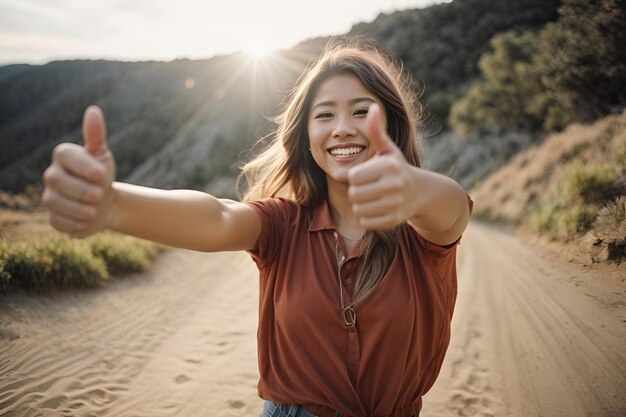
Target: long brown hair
286, 167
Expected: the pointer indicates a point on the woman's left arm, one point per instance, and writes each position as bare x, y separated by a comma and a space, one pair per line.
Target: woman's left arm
441, 210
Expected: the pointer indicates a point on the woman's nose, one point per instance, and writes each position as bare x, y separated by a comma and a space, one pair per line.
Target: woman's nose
343, 128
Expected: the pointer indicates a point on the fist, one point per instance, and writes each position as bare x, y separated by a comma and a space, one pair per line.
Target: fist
78, 183
381, 188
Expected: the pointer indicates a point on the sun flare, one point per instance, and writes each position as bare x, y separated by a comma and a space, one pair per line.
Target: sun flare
258, 49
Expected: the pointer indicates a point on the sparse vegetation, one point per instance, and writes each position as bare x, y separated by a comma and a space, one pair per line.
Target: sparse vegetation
571, 188
58, 261
575, 205
610, 230
123, 254
613, 215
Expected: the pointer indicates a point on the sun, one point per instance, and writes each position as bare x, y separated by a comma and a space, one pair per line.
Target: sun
258, 49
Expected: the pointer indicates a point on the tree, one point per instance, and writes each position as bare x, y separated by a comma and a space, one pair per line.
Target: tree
582, 61
574, 70
509, 92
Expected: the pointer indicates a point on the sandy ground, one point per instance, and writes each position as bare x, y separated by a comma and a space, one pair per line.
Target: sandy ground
532, 336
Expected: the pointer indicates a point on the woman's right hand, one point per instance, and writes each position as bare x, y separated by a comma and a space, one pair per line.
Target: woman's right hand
78, 183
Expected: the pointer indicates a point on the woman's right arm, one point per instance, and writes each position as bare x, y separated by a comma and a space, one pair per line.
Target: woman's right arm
183, 218
82, 198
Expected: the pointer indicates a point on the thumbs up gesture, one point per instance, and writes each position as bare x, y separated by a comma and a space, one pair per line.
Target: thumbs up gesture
380, 188
78, 183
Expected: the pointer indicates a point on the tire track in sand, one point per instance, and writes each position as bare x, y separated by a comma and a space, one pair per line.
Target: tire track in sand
166, 342
532, 336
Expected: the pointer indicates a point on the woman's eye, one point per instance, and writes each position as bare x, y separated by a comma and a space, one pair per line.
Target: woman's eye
323, 115
360, 112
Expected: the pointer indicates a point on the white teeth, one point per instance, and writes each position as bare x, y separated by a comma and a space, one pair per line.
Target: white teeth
346, 151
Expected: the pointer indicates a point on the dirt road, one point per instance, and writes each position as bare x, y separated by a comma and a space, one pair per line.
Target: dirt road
532, 336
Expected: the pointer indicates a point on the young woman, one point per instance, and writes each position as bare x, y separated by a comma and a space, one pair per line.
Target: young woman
355, 243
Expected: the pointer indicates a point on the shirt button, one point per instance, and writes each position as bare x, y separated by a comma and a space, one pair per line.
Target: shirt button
348, 280
335, 234
343, 258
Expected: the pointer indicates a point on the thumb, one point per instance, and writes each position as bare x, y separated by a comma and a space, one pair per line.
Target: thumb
94, 131
378, 137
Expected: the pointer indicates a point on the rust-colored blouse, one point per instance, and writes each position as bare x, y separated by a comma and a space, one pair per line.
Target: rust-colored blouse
383, 365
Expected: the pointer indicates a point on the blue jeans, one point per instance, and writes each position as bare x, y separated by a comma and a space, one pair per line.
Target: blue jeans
272, 409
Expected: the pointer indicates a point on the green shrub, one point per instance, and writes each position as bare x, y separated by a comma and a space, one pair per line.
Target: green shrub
573, 207
123, 254
74, 264
61, 261
544, 217
621, 159
610, 228
613, 214
592, 183
577, 218
554, 217
58, 262
5, 277
25, 268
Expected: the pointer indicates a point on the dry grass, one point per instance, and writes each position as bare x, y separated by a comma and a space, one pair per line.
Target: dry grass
24, 226
560, 187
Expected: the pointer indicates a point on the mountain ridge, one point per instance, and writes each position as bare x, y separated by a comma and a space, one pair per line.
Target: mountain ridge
157, 112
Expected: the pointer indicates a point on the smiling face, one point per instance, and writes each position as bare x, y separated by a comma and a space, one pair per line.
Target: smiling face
337, 126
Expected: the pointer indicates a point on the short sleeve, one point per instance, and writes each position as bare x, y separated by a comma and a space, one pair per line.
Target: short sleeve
447, 249
274, 214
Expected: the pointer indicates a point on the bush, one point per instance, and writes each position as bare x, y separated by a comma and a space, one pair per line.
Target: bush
613, 214
58, 262
123, 254
544, 217
554, 217
573, 207
61, 261
4, 272
592, 183
73, 263
576, 218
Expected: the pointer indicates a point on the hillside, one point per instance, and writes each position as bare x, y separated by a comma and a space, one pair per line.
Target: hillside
170, 124
571, 188
184, 123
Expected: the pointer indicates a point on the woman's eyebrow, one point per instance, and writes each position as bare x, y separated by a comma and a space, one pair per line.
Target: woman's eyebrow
351, 102
360, 100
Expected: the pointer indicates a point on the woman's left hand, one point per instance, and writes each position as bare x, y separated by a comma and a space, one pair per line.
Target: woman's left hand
382, 189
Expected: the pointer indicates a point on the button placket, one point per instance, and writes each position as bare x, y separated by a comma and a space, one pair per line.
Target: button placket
348, 314
349, 317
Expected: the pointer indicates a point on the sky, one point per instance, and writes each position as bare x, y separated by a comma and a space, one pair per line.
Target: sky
39, 31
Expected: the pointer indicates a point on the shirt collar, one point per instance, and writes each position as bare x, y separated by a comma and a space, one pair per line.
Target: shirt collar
321, 218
